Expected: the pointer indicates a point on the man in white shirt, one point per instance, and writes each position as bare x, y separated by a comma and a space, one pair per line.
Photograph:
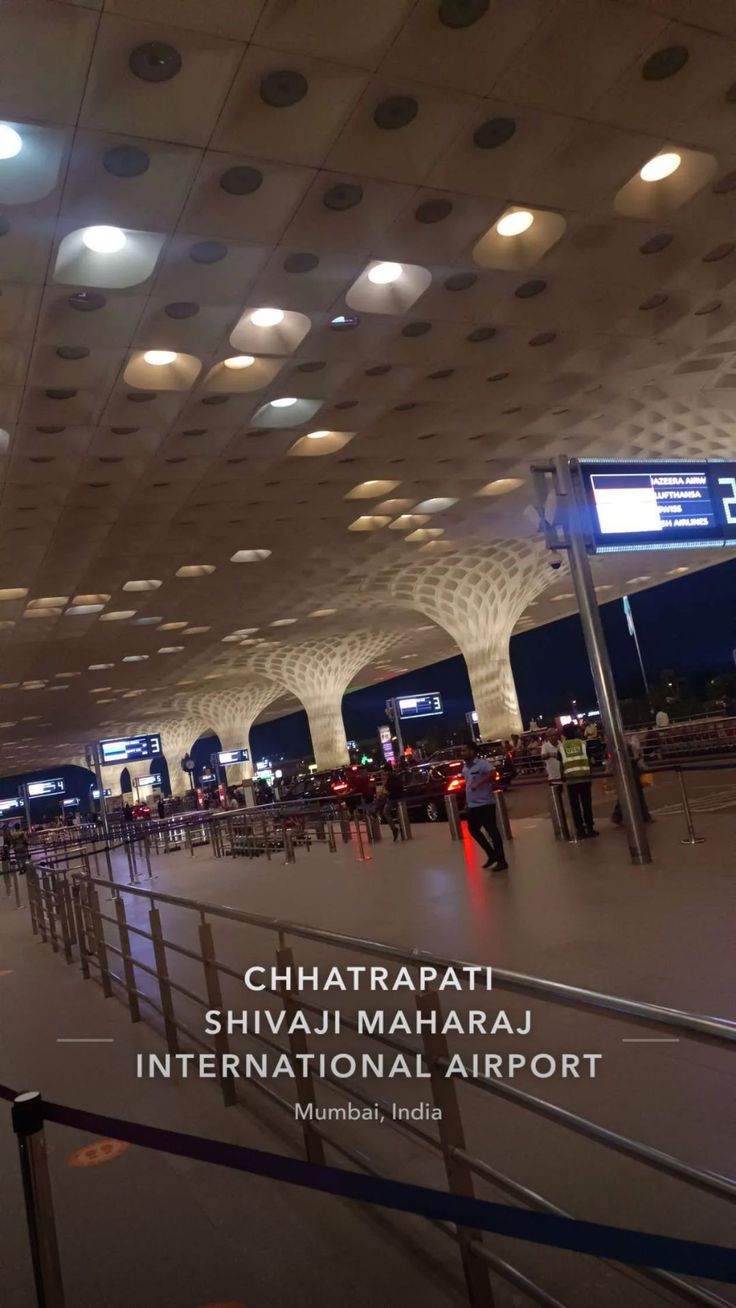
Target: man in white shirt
550, 754
661, 718
481, 805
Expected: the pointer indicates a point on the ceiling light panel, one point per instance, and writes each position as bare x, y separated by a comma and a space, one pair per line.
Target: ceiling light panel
260, 330
107, 257
388, 287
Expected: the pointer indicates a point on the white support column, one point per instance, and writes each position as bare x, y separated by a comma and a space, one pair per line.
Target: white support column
177, 738
231, 714
478, 597
318, 673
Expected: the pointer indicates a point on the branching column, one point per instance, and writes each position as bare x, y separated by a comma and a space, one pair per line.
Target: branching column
318, 673
478, 598
232, 714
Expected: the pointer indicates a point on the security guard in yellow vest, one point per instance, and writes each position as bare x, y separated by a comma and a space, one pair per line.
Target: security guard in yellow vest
576, 773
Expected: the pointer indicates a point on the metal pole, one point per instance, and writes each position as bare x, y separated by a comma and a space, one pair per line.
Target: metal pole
637, 647
690, 838
453, 817
101, 791
504, 821
600, 663
403, 816
559, 816
27, 1115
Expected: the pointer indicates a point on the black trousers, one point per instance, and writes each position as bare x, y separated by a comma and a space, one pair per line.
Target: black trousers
581, 805
483, 819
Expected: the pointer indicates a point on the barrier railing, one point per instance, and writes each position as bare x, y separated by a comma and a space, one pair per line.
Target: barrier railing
72, 916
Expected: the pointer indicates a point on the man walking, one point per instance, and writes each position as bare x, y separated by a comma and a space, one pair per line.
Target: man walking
576, 772
481, 805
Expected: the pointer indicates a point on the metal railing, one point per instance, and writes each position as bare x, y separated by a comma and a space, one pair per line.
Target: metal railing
68, 912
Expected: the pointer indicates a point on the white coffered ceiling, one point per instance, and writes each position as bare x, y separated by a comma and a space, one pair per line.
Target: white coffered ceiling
266, 155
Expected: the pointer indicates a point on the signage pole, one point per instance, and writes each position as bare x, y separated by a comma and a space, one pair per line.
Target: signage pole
27, 806
632, 632
397, 726
101, 789
600, 664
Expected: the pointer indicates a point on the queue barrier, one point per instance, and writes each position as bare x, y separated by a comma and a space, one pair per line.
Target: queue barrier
101, 938
466, 1213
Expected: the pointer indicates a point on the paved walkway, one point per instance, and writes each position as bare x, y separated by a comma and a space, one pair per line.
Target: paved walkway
576, 914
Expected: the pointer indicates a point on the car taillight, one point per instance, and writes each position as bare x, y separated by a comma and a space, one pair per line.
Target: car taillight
339, 786
457, 783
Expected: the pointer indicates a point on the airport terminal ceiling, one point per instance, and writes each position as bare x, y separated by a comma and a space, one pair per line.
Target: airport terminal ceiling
292, 294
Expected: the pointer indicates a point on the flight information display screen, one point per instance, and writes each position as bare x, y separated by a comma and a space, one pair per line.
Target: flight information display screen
38, 789
129, 749
419, 706
228, 756
660, 505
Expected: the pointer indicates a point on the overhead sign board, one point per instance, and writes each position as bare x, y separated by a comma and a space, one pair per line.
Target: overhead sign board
9, 806
70, 803
129, 749
637, 504
107, 793
149, 782
38, 789
226, 757
419, 706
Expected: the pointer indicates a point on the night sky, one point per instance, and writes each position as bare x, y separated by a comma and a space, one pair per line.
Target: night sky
688, 625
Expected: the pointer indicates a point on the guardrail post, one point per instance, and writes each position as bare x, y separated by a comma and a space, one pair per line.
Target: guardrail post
452, 1138
27, 1117
375, 827
504, 822
289, 846
32, 892
128, 968
331, 842
344, 820
214, 997
81, 934
403, 816
362, 856
100, 946
557, 811
690, 838
453, 817
162, 975
147, 852
65, 914
303, 1081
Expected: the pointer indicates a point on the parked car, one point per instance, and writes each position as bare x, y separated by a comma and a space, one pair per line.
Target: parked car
348, 785
139, 811
493, 751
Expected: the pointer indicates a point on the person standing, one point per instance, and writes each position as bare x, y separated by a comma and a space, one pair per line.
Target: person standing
481, 805
661, 718
550, 756
577, 775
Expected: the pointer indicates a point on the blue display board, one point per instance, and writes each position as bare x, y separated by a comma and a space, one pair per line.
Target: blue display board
129, 749
228, 756
637, 505
419, 706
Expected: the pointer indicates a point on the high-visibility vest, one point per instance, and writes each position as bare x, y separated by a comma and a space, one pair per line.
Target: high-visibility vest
575, 763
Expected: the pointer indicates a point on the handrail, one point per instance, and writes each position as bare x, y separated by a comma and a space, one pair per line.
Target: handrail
716, 1029
91, 938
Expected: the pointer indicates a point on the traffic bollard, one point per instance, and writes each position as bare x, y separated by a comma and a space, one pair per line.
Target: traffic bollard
289, 846
345, 825
503, 816
404, 823
453, 817
560, 824
331, 842
690, 838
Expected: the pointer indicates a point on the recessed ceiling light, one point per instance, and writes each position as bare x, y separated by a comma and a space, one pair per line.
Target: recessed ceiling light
501, 486
284, 402
237, 361
99, 667
134, 658
83, 610
283, 622
11, 142
195, 631
369, 522
344, 321
20, 592
104, 240
267, 317
673, 572
195, 570
634, 581
321, 613
661, 166
170, 649
381, 274
435, 505
514, 223
172, 626
118, 615
159, 358
369, 490
317, 435
142, 585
